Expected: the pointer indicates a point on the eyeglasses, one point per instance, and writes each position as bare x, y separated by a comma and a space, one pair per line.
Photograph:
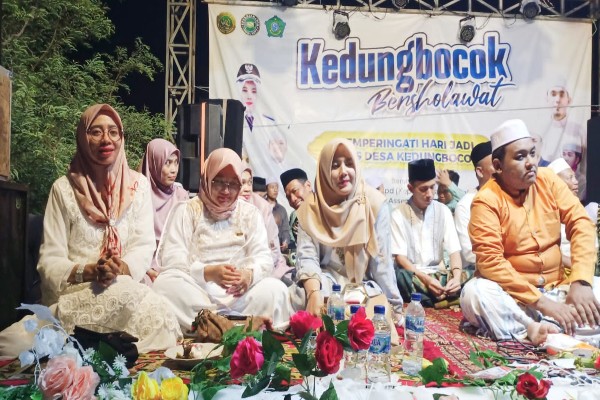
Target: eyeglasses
96, 134
221, 185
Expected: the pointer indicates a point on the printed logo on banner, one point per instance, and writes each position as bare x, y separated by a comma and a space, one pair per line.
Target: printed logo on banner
275, 27
414, 77
250, 24
225, 22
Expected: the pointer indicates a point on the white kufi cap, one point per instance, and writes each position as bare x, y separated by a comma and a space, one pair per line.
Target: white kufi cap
559, 165
508, 132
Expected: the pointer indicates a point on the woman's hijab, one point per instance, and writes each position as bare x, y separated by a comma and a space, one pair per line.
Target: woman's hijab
347, 223
104, 205
217, 161
164, 197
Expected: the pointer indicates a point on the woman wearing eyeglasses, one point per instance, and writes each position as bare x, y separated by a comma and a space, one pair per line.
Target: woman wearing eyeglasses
214, 252
98, 240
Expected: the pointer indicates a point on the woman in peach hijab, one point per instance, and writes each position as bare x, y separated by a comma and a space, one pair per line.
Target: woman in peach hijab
98, 240
214, 252
344, 233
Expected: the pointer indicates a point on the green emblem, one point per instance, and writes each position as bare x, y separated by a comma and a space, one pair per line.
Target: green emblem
275, 27
250, 24
225, 22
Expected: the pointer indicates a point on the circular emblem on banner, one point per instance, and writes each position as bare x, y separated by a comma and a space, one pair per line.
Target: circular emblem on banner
275, 27
250, 24
225, 23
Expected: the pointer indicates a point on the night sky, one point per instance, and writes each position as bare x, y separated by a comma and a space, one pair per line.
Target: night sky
148, 20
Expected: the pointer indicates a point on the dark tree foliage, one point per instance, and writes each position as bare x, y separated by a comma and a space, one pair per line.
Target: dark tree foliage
51, 48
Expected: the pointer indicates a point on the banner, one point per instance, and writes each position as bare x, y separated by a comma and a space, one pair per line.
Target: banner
401, 86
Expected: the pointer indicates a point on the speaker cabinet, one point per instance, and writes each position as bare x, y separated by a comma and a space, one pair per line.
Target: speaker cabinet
592, 175
202, 128
13, 250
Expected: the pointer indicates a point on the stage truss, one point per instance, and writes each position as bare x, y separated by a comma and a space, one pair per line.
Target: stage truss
181, 28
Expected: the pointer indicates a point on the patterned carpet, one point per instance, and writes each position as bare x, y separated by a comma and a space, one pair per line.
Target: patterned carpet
442, 334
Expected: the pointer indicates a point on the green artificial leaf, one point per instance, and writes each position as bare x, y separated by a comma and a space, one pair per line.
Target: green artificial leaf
330, 393
107, 352
436, 396
436, 372
271, 346
328, 324
304, 363
282, 377
305, 340
256, 388
209, 391
307, 396
341, 329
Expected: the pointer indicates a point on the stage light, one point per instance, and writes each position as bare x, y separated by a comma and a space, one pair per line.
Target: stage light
466, 29
341, 26
289, 3
399, 4
530, 8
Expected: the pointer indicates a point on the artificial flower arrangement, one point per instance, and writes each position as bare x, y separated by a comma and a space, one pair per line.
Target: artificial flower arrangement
518, 384
76, 373
256, 359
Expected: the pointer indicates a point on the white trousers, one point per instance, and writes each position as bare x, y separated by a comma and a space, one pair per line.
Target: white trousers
495, 313
267, 297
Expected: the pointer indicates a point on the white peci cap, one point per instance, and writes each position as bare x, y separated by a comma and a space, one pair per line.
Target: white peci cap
559, 165
508, 132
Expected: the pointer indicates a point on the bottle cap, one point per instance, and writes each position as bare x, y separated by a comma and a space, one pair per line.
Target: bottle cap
354, 308
415, 297
336, 287
379, 309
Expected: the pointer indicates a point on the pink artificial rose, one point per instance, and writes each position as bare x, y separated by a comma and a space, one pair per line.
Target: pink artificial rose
84, 384
329, 353
247, 358
302, 321
360, 330
57, 377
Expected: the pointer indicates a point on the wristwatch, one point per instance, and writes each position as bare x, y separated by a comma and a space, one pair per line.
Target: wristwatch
79, 273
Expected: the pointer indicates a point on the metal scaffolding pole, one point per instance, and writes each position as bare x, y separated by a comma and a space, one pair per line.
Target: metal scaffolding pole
180, 71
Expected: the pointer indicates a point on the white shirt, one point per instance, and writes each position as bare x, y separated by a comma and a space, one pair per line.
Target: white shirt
462, 215
422, 237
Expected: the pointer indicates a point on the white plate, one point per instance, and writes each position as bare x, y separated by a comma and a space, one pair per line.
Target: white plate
200, 351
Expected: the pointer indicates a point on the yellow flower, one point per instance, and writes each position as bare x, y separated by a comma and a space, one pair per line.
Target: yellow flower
145, 388
173, 389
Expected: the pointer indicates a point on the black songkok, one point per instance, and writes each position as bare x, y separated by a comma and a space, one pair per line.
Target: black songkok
290, 175
421, 170
481, 151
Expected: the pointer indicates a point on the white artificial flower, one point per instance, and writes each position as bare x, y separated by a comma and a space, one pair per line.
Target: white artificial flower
161, 373
104, 391
48, 342
42, 312
119, 364
26, 358
30, 324
88, 354
71, 351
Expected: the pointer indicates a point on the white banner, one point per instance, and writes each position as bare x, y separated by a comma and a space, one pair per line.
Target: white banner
401, 86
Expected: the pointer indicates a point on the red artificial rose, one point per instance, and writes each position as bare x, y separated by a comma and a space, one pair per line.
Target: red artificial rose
360, 330
530, 387
302, 322
329, 353
247, 358
597, 363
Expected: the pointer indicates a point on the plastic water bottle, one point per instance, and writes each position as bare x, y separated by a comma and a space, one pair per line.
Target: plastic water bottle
413, 336
378, 362
354, 361
335, 304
